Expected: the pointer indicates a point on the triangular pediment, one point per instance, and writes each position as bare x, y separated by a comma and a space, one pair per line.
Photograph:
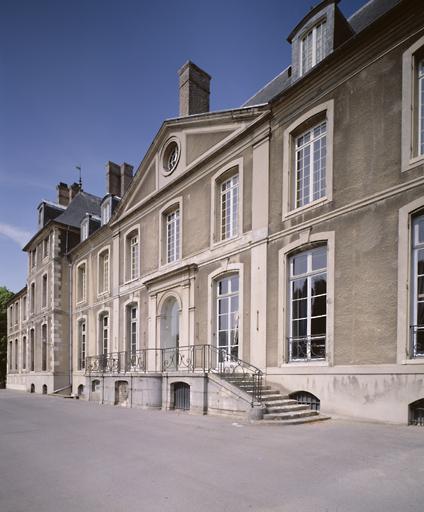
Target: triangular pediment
180, 146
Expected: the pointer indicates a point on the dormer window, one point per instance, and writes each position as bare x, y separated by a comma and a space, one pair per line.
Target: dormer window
313, 47
41, 216
106, 211
84, 229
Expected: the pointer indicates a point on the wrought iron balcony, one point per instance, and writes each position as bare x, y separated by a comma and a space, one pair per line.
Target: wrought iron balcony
193, 359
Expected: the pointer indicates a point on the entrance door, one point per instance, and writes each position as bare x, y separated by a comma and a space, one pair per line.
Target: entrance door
170, 333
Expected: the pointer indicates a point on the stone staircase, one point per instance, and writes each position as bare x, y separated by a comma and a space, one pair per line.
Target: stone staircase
278, 409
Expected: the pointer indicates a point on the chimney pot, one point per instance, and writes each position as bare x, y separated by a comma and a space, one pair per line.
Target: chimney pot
194, 89
73, 190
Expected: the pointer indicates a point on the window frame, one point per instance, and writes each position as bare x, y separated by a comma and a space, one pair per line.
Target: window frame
45, 246
411, 103
44, 346
84, 229
226, 172
313, 30
129, 275
103, 276
106, 211
304, 242
104, 328
81, 288
44, 290
169, 208
306, 121
82, 343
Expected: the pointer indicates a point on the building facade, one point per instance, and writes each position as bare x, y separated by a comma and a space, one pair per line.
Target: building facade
282, 240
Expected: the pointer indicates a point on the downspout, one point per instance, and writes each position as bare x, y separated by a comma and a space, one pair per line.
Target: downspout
70, 284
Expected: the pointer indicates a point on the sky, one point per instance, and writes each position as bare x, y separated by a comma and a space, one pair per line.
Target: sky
87, 81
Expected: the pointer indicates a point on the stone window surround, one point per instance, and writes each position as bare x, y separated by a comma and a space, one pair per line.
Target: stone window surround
305, 241
168, 207
404, 280
44, 291
237, 167
324, 109
223, 271
410, 156
129, 233
132, 301
81, 300
100, 253
99, 332
80, 320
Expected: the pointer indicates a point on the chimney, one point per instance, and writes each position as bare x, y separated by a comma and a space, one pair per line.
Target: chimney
126, 177
194, 90
62, 194
73, 190
113, 179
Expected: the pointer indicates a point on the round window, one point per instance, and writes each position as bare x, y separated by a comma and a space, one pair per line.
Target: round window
171, 156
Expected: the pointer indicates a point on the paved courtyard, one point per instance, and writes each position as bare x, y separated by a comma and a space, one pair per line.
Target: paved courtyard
66, 455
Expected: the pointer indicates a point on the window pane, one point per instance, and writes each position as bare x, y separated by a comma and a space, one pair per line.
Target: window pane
223, 287
318, 348
319, 284
319, 306
318, 326
299, 308
222, 322
300, 264
299, 328
319, 258
299, 289
223, 339
222, 306
420, 262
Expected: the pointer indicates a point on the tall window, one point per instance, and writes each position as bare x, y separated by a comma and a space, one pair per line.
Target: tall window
24, 352
417, 312
32, 349
229, 207
24, 308
33, 258
44, 347
313, 47
32, 298
10, 355
105, 212
81, 282
84, 229
227, 308
82, 335
173, 236
104, 271
421, 107
133, 255
132, 329
44, 291
45, 247
308, 305
16, 313
104, 334
311, 153
16, 354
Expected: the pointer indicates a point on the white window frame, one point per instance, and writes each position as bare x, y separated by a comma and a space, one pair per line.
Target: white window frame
132, 264
84, 229
81, 288
313, 116
132, 329
412, 85
229, 201
44, 351
417, 246
106, 211
33, 295
82, 343
232, 317
314, 54
304, 242
172, 220
222, 175
308, 338
32, 345
44, 290
104, 333
103, 274
168, 209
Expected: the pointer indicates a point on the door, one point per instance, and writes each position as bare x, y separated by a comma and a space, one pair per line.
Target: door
182, 396
170, 333
227, 321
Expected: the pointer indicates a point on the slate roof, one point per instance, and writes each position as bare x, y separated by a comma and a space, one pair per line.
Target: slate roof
82, 203
359, 20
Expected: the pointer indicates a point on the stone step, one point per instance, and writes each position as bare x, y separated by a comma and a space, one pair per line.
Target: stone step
290, 415
249, 387
296, 421
280, 402
267, 392
271, 397
287, 408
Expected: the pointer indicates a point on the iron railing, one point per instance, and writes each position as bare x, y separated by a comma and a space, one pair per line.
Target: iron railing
307, 348
192, 359
417, 340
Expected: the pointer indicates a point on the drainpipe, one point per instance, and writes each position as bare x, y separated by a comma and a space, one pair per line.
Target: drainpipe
70, 319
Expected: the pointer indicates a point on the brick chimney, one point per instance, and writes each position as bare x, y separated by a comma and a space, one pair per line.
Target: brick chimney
73, 190
194, 90
126, 177
62, 194
113, 179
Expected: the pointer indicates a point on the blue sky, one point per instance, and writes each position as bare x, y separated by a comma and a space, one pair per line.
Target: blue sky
87, 81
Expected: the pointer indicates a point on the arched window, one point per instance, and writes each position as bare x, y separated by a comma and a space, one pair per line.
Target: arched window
132, 244
82, 338
417, 278
104, 333
32, 349
132, 329
103, 272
